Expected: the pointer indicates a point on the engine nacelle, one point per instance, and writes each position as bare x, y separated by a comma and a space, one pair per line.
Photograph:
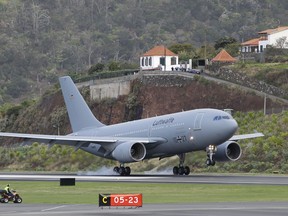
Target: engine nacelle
129, 152
228, 151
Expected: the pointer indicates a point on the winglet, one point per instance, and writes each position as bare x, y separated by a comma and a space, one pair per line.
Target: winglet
79, 113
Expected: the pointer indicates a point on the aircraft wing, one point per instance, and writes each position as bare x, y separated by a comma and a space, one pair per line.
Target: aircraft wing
246, 136
73, 140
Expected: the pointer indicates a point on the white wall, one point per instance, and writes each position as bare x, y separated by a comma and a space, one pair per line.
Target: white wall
155, 62
272, 39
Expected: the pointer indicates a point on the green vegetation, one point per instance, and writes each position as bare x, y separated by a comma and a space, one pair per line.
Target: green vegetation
275, 74
39, 157
230, 44
104, 75
261, 155
51, 192
41, 40
260, 66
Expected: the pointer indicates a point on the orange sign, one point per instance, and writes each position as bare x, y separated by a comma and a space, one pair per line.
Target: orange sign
120, 200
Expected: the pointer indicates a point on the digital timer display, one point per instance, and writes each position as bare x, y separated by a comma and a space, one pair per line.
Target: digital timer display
120, 200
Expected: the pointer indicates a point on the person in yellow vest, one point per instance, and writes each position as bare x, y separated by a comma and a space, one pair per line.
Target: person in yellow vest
8, 191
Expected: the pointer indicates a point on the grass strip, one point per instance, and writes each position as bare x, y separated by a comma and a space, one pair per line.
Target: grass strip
87, 192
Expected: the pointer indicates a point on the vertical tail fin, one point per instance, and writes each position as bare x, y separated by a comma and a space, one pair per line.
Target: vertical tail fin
79, 113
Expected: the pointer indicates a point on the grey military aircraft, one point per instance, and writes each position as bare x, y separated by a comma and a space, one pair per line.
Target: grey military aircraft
211, 130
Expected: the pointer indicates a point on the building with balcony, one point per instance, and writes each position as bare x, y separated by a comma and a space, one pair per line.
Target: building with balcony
277, 37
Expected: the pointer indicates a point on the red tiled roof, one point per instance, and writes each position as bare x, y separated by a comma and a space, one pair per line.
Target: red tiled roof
275, 30
223, 56
252, 42
159, 51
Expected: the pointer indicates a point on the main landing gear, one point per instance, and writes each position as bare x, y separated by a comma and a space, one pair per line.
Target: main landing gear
211, 149
181, 170
122, 171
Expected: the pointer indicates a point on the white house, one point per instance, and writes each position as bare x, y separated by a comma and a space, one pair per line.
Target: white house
269, 37
160, 58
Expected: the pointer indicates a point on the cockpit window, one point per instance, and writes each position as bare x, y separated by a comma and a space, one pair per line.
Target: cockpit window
216, 118
225, 117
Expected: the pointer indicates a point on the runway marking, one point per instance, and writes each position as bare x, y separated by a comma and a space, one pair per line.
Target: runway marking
209, 179
50, 209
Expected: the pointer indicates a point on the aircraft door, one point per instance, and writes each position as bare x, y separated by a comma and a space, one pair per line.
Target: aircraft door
198, 121
194, 135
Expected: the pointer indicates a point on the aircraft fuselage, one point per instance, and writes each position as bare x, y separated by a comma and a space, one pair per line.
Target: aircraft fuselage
184, 131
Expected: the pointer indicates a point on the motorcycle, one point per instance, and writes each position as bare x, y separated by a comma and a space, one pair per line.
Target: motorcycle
5, 198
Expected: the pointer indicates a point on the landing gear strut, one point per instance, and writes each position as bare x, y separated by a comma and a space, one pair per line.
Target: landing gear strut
122, 171
181, 170
211, 149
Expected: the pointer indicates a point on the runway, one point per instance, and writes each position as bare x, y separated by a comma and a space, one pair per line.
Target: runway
169, 209
215, 209
192, 179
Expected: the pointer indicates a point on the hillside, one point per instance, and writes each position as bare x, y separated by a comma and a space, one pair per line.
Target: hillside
149, 96
41, 40
275, 74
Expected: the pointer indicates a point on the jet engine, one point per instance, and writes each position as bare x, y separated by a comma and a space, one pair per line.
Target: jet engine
129, 152
228, 151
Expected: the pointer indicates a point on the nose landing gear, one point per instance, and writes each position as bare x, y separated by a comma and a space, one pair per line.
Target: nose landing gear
211, 149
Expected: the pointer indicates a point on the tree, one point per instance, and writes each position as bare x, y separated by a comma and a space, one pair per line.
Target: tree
223, 42
281, 42
59, 37
233, 49
58, 118
40, 19
206, 51
96, 68
113, 66
16, 87
185, 51
177, 48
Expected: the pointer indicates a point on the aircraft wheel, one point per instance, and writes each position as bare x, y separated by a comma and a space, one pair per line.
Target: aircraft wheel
175, 170
181, 170
213, 163
116, 169
210, 162
186, 170
122, 171
127, 171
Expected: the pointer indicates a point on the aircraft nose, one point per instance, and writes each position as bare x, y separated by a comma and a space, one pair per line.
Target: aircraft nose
233, 126
224, 127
